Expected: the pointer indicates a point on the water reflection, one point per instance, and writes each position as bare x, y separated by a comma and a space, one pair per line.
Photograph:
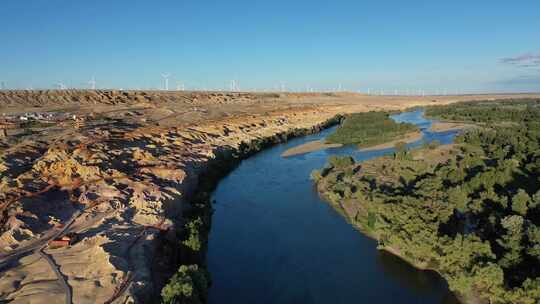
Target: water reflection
273, 240
409, 277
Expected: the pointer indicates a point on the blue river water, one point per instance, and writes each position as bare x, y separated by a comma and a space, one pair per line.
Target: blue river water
274, 240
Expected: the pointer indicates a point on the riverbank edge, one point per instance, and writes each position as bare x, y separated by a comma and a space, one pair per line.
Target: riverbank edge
226, 159
472, 298
308, 147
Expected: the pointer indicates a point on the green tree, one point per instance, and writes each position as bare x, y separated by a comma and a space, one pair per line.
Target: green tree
459, 256
188, 285
341, 162
533, 234
401, 151
458, 198
535, 202
520, 202
511, 241
193, 240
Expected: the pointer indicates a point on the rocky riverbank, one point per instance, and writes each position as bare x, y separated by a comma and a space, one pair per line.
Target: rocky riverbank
132, 187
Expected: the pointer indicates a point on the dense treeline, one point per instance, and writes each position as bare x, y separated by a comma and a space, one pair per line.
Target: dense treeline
369, 129
519, 110
473, 216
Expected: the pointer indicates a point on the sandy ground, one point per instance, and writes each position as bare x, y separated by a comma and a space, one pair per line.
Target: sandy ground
407, 138
435, 156
309, 147
449, 126
171, 108
132, 167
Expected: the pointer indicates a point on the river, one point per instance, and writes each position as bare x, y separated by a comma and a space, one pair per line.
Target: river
273, 240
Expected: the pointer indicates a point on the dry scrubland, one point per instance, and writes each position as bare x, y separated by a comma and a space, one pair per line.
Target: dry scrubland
126, 175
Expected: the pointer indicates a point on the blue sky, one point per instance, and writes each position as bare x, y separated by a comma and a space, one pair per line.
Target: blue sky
464, 46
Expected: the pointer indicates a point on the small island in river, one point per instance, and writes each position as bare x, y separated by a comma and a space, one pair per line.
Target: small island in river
406, 138
370, 129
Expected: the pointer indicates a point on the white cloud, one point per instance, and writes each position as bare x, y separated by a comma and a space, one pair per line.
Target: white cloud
525, 60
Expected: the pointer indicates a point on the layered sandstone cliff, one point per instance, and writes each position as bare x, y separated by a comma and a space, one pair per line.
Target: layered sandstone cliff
112, 185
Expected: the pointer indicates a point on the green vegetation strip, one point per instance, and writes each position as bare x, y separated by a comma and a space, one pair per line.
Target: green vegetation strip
369, 129
493, 111
472, 212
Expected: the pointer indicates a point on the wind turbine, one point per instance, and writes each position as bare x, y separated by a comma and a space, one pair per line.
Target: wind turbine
92, 83
3, 85
180, 86
166, 78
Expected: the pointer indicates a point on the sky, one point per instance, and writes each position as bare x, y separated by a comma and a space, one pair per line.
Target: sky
390, 46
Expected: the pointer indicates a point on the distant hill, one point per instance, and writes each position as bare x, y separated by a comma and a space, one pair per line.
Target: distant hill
43, 98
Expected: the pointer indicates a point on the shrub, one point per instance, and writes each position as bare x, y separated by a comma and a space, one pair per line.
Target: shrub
193, 230
340, 162
316, 175
188, 285
434, 144
401, 152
